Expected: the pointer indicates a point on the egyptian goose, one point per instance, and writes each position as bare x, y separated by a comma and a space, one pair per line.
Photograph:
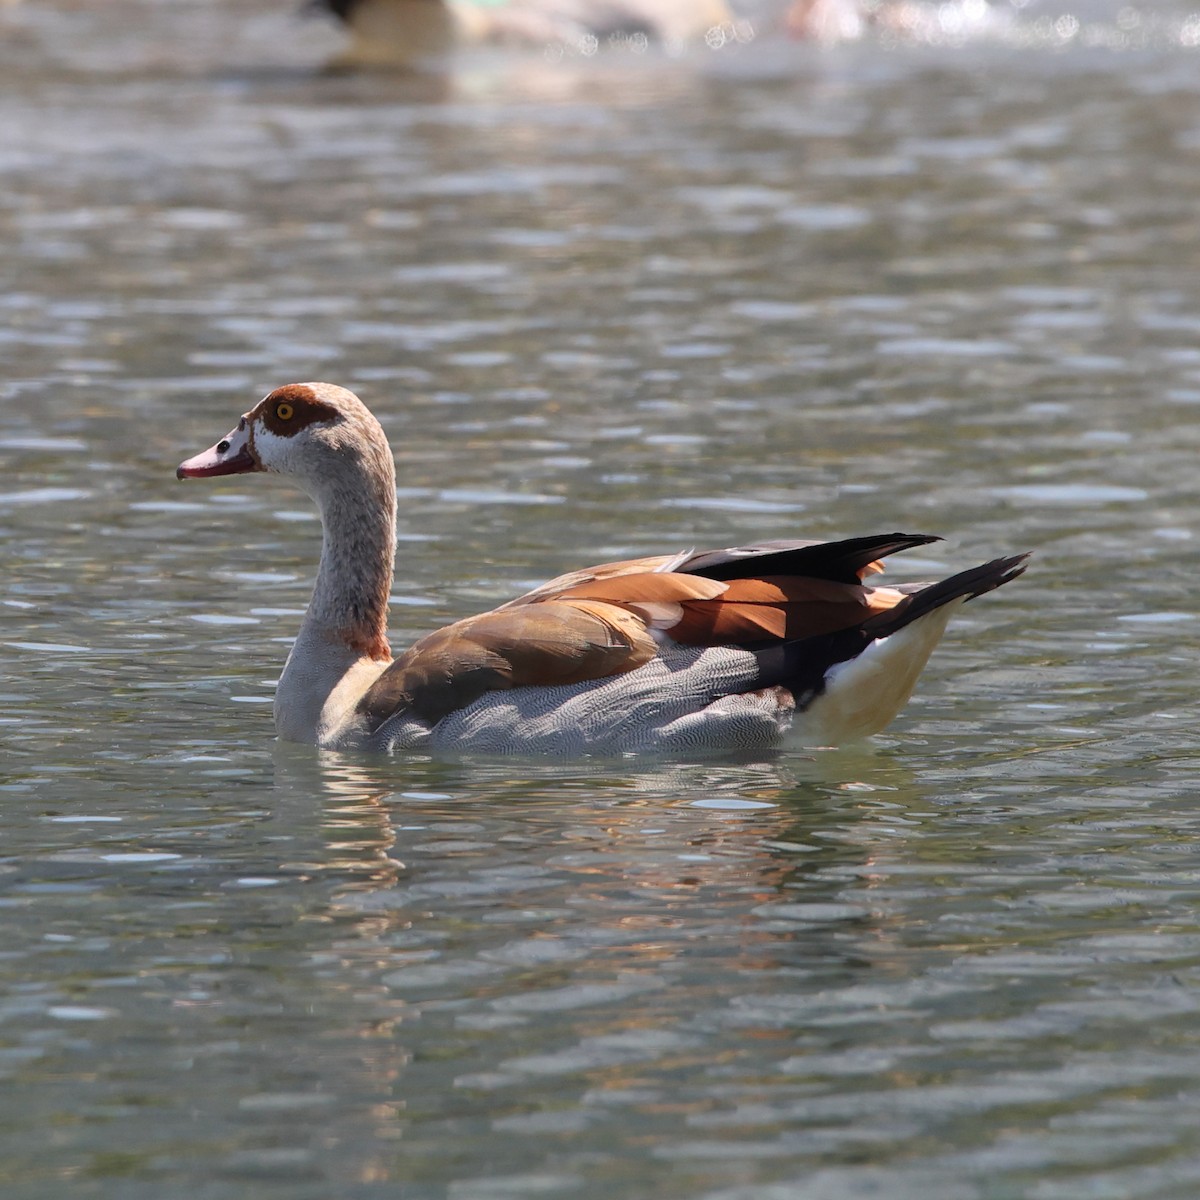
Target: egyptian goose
714, 649
409, 32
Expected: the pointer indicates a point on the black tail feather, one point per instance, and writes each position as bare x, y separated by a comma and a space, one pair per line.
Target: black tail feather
976, 581
801, 665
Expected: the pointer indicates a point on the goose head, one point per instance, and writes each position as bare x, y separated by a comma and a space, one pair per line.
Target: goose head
319, 434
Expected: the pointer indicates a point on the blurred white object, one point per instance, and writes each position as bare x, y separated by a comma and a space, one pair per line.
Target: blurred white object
410, 32
935, 22
826, 20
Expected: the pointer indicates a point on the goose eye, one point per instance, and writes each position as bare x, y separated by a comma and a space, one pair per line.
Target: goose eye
284, 411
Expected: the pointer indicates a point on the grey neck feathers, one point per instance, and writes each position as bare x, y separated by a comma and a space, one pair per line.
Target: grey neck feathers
354, 581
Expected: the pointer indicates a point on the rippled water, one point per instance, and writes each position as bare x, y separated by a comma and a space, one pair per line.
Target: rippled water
602, 308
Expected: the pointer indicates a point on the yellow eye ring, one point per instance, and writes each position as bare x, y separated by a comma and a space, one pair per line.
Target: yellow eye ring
284, 411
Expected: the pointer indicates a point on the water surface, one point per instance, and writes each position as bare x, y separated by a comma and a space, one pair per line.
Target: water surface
602, 308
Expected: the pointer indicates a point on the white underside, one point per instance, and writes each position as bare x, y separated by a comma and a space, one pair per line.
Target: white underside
667, 706
863, 694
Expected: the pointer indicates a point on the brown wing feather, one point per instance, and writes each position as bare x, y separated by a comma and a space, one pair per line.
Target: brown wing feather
845, 557
698, 611
644, 588
553, 588
538, 645
779, 608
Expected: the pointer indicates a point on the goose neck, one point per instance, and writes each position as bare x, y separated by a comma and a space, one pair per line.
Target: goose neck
349, 604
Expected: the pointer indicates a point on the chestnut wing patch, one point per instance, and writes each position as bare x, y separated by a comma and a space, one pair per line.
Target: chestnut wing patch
753, 611
847, 561
539, 645
697, 611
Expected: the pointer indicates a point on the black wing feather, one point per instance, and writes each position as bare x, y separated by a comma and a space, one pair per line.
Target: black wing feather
839, 562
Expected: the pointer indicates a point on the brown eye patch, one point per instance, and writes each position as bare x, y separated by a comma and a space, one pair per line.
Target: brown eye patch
289, 409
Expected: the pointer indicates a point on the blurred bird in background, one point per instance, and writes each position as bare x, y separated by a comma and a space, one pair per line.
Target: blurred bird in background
412, 32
